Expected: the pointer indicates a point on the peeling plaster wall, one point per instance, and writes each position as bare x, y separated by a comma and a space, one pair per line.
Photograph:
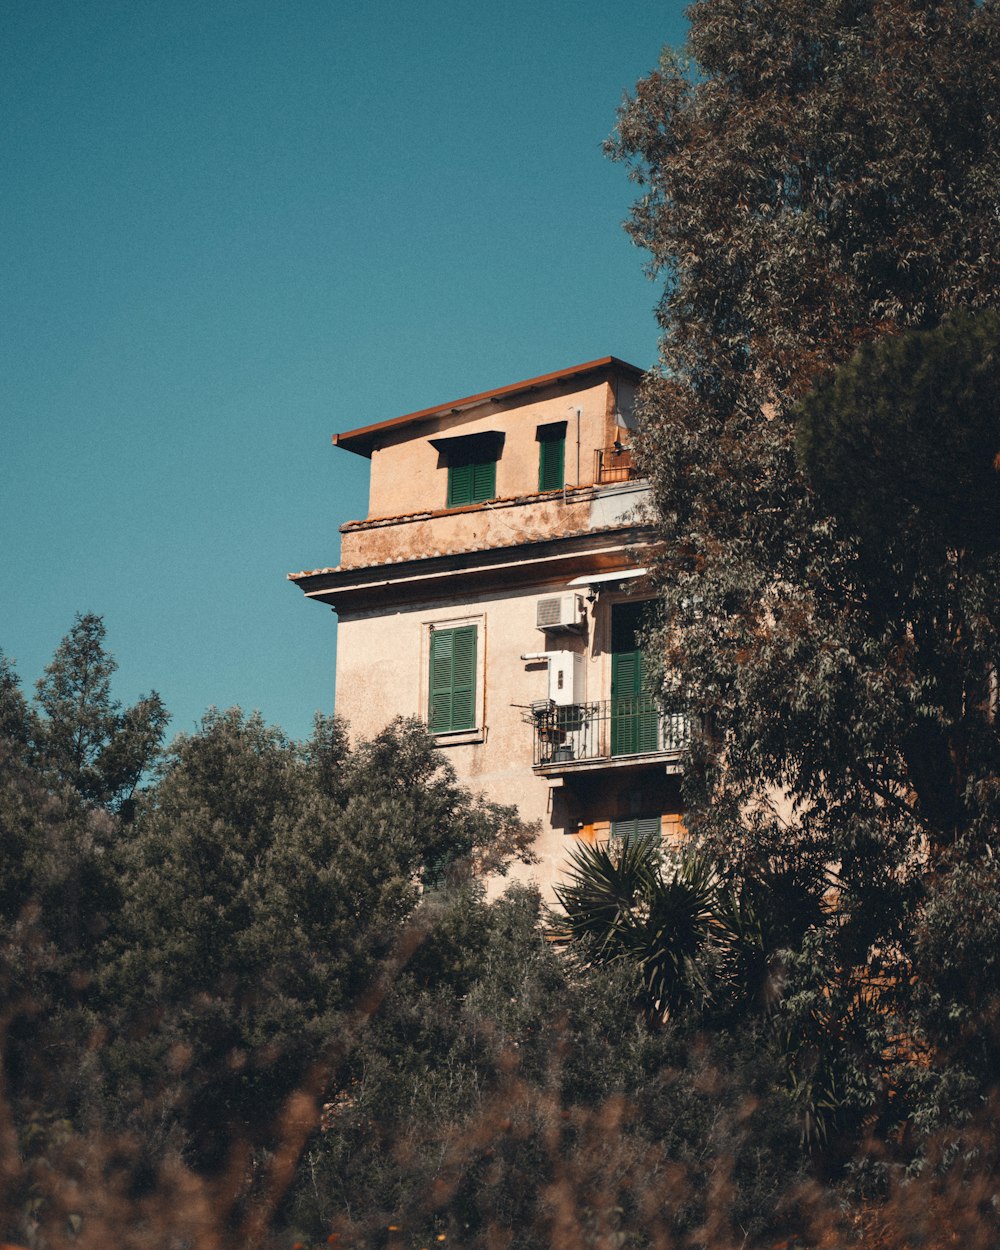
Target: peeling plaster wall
499, 523
479, 526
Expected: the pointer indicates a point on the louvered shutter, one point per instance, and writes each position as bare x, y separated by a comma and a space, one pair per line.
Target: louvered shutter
626, 679
471, 482
635, 717
637, 827
439, 703
552, 462
452, 695
460, 484
484, 481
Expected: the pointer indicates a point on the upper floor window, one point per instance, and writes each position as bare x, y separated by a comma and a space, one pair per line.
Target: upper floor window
473, 480
472, 466
552, 456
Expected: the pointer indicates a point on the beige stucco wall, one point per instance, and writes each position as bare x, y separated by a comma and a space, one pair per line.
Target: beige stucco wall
409, 475
382, 673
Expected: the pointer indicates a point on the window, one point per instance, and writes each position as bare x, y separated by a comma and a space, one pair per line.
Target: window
471, 480
636, 820
451, 703
637, 827
552, 456
471, 460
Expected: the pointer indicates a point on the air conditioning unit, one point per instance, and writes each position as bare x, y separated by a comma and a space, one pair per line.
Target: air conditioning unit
561, 614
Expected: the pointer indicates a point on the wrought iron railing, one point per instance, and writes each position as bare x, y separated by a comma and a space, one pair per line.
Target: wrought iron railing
610, 729
614, 464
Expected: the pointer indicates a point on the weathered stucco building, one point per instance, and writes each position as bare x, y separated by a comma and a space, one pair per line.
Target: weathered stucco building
495, 590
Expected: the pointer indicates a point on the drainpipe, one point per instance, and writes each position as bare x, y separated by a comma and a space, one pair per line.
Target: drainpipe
577, 482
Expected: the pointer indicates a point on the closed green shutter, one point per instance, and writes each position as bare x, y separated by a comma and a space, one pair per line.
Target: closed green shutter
452, 696
635, 717
552, 460
637, 827
459, 485
471, 482
484, 481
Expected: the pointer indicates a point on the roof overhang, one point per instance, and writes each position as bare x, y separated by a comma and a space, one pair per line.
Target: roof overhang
467, 573
363, 440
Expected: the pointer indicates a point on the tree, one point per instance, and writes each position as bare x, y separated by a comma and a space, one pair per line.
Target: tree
815, 178
83, 735
267, 888
902, 446
818, 176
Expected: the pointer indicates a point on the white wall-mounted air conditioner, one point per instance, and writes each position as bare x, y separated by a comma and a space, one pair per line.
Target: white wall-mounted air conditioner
561, 613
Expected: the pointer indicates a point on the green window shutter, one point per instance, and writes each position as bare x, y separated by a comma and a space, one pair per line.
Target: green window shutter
452, 696
459, 485
552, 461
637, 827
484, 481
471, 482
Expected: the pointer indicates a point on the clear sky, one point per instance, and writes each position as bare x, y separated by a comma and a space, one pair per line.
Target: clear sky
232, 227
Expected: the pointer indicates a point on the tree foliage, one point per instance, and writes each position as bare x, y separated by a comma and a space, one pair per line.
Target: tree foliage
820, 180
818, 176
902, 446
84, 736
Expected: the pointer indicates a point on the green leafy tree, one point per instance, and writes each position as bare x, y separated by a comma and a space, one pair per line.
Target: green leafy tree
818, 176
267, 888
502, 1095
83, 734
814, 178
902, 446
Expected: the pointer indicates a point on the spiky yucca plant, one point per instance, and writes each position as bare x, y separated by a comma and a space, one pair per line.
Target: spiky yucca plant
635, 903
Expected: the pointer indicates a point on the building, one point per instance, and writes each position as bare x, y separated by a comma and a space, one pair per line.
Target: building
496, 591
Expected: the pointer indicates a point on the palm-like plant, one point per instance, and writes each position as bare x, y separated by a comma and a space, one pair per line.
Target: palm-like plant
634, 903
763, 913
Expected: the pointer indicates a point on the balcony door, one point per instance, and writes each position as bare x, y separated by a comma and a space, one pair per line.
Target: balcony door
635, 717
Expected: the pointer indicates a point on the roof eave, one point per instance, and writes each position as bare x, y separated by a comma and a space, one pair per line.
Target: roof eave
362, 440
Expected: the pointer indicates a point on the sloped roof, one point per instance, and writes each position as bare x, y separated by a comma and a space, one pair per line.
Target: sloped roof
362, 439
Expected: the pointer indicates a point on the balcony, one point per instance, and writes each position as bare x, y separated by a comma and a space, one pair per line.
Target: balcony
614, 464
611, 733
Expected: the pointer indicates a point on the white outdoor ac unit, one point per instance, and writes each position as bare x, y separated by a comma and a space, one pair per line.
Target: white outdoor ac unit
561, 614
567, 677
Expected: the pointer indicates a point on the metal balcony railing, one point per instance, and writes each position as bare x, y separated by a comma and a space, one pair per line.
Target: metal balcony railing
611, 729
614, 464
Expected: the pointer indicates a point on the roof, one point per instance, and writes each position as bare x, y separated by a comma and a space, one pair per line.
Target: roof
362, 439
537, 561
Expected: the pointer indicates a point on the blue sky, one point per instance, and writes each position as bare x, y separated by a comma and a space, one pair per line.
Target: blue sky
232, 228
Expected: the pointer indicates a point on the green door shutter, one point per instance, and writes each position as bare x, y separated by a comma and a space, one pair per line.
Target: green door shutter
635, 718
552, 460
452, 697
